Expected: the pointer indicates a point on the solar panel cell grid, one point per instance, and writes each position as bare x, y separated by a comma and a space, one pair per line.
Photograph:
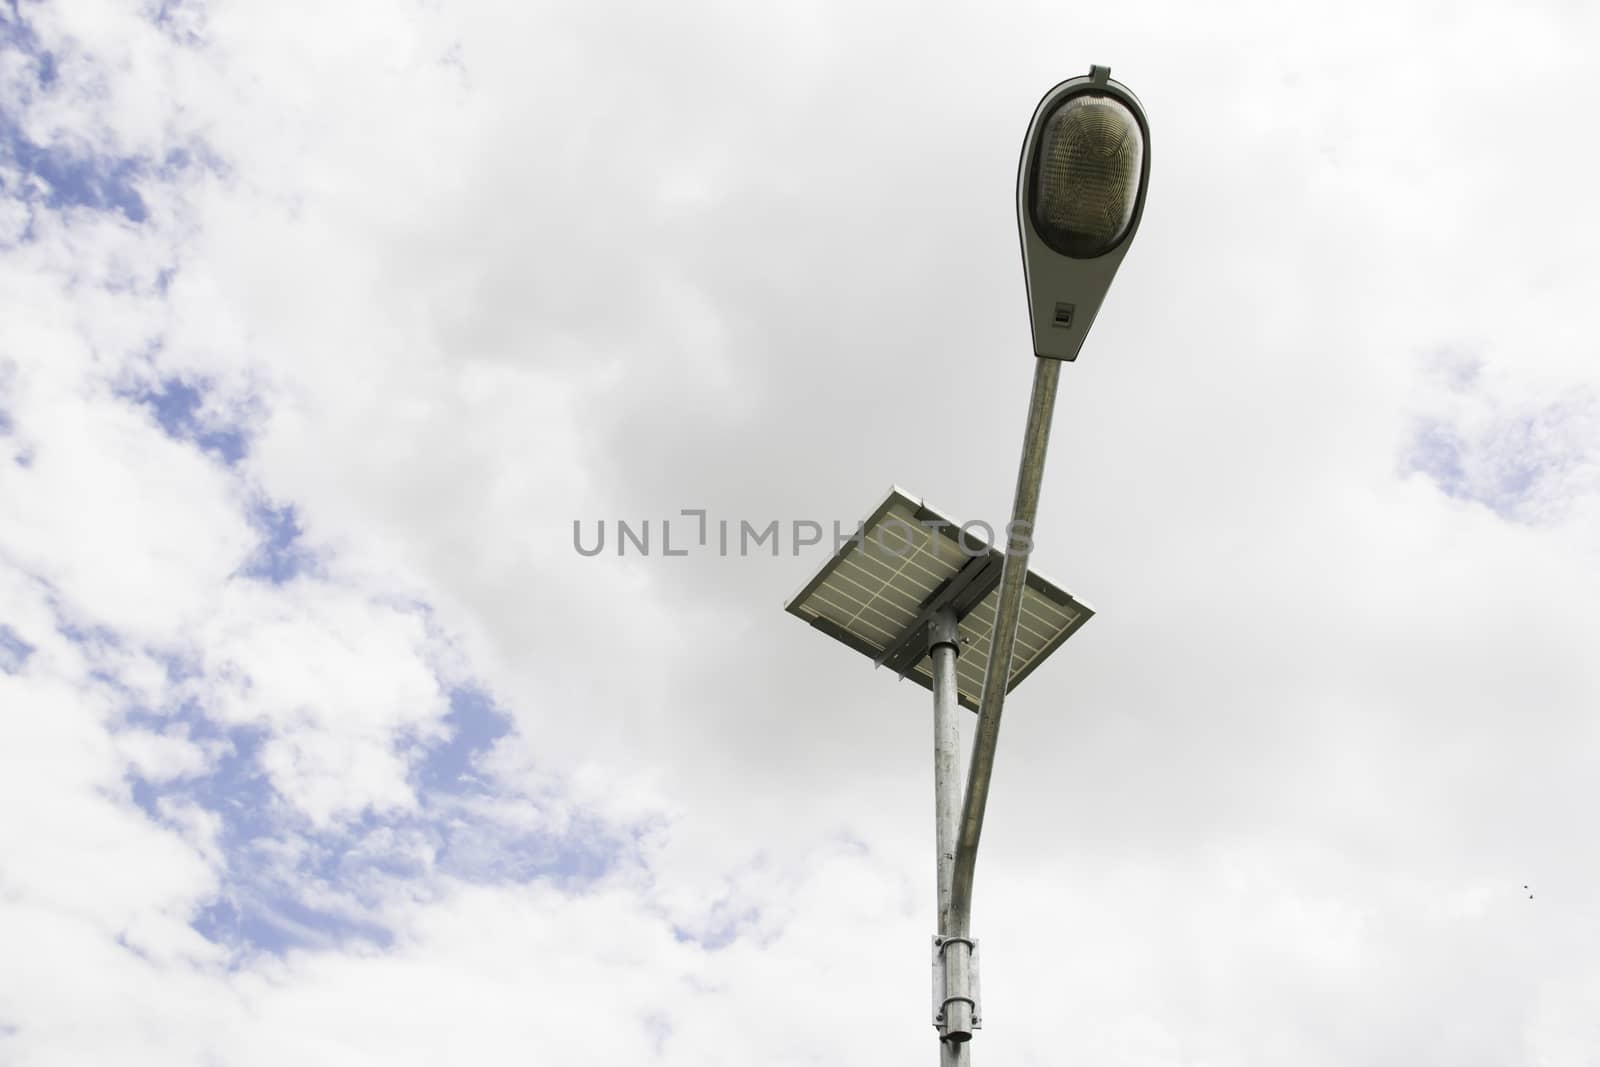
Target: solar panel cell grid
875, 592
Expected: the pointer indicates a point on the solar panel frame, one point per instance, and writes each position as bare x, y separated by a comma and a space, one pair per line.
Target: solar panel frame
877, 600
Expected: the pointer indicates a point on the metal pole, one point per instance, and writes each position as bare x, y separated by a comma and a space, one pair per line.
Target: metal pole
944, 640
946, 783
1014, 572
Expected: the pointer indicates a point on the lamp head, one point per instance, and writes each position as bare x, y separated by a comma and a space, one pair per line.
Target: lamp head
1080, 194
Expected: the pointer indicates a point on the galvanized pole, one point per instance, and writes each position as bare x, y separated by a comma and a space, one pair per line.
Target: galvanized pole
1013, 574
946, 782
944, 643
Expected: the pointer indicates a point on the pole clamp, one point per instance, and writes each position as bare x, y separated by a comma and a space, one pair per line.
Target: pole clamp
944, 629
947, 992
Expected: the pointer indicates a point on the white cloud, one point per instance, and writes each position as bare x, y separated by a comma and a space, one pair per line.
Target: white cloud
76, 852
339, 681
161, 757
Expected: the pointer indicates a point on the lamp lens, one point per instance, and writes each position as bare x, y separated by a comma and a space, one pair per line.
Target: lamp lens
1086, 179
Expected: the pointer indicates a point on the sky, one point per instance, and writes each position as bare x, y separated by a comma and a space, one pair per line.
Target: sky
324, 327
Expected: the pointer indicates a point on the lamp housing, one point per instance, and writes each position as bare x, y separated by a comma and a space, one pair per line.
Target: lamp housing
1080, 195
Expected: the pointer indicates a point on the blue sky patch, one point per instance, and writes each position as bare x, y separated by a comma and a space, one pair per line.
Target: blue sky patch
280, 923
76, 178
288, 885
14, 651
722, 928
67, 174
1522, 465
176, 405
480, 849
1436, 452
475, 724
15, 33
281, 557
170, 17
274, 861
73, 175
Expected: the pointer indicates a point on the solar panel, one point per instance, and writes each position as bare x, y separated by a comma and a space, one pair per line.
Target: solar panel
880, 590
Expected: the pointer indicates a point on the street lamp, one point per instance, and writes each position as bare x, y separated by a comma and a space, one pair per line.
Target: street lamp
1080, 195
1081, 187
